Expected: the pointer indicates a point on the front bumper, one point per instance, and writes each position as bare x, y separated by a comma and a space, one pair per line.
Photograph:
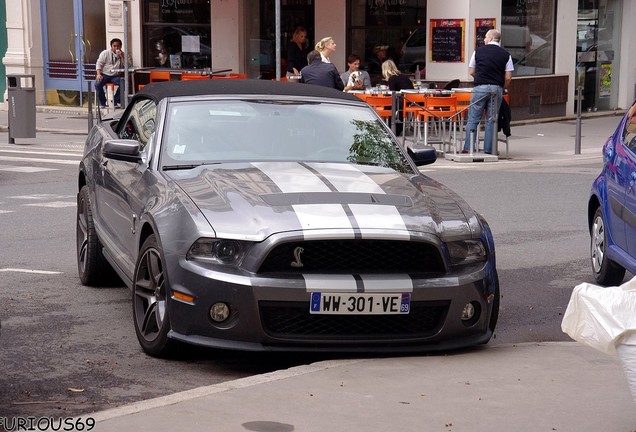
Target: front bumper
272, 314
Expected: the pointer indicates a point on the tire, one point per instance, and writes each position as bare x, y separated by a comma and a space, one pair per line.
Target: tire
606, 272
150, 301
92, 267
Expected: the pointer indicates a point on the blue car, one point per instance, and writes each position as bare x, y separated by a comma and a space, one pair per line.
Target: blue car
612, 206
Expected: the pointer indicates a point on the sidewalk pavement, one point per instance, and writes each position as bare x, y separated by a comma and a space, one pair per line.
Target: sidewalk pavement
529, 387
561, 386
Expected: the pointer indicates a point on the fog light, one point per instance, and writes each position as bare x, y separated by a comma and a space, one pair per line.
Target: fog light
219, 312
468, 312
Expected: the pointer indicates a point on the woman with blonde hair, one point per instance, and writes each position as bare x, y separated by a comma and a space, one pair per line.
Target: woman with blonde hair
395, 79
326, 47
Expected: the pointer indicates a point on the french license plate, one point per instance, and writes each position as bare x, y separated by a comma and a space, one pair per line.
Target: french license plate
359, 304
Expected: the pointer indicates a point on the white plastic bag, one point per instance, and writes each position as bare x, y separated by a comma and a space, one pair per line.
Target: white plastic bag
626, 349
600, 317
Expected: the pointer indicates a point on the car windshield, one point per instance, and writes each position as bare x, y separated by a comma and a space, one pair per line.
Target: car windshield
217, 131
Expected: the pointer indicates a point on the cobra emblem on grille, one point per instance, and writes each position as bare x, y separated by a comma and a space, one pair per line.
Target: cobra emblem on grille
297, 262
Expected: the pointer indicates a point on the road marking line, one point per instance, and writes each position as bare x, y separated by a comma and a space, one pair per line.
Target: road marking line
41, 196
17, 270
54, 204
50, 153
56, 161
26, 169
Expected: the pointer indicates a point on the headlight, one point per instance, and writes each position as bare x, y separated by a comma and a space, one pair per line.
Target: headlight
466, 252
219, 251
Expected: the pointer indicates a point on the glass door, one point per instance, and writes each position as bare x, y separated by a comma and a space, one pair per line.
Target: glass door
72, 43
598, 40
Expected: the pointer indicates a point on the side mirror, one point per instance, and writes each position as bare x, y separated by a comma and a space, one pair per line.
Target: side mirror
123, 150
423, 155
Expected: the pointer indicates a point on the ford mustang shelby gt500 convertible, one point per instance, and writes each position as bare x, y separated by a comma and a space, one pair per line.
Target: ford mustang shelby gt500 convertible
261, 215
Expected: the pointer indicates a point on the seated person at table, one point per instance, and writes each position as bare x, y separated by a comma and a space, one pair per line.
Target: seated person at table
108, 61
354, 78
397, 81
320, 73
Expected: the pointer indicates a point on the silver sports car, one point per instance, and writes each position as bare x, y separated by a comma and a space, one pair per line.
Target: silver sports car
259, 215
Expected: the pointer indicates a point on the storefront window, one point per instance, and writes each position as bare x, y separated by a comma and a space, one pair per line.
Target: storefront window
176, 34
527, 32
261, 33
597, 41
387, 30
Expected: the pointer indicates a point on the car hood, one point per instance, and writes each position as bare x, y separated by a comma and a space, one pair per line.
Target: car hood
253, 201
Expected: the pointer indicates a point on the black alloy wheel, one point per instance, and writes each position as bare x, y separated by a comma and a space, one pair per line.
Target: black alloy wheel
150, 301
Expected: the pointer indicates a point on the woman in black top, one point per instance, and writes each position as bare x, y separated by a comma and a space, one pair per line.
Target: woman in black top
297, 51
397, 81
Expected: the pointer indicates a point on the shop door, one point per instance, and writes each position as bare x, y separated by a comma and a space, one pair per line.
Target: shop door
597, 46
72, 43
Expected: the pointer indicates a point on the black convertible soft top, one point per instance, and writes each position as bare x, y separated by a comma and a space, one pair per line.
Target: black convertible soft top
161, 90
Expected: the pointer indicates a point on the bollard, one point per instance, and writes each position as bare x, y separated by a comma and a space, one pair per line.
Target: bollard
577, 138
494, 112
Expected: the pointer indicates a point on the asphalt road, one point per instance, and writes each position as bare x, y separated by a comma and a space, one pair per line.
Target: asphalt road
66, 349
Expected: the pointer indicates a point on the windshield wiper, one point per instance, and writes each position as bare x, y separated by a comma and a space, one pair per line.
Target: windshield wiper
187, 166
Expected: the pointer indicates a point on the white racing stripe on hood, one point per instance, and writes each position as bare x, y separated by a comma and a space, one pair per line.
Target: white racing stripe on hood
383, 217
291, 178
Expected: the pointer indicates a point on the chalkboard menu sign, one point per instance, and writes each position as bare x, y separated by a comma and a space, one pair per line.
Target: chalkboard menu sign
447, 41
482, 25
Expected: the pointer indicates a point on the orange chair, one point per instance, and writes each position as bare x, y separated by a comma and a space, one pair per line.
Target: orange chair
362, 96
439, 109
230, 76
382, 105
156, 76
463, 104
159, 76
190, 76
412, 106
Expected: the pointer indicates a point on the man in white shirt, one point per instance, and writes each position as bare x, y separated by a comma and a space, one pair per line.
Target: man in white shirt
108, 61
492, 68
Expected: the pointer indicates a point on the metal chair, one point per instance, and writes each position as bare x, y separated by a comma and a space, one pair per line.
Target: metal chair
440, 109
412, 105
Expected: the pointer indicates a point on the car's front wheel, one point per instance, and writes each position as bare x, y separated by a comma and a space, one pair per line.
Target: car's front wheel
150, 301
92, 267
606, 271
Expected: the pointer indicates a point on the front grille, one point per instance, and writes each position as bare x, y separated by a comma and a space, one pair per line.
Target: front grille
354, 257
287, 320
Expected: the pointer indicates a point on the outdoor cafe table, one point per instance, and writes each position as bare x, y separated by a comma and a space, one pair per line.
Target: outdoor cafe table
397, 98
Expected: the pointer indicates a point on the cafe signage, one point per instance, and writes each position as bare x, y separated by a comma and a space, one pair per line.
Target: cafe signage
447, 40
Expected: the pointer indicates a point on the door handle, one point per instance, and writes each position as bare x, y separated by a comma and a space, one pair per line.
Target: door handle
81, 38
70, 46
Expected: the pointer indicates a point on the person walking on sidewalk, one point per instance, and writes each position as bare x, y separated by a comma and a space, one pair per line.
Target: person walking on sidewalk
108, 61
492, 67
